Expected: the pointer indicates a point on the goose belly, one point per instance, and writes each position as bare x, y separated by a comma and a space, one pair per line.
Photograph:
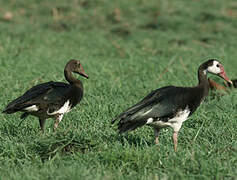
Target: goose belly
44, 111
174, 122
62, 110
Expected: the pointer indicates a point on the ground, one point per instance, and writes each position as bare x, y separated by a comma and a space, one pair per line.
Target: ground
127, 48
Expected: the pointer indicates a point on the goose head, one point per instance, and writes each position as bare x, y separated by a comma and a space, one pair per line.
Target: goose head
76, 67
213, 66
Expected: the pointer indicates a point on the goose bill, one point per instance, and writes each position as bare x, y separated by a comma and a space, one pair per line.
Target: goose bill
223, 75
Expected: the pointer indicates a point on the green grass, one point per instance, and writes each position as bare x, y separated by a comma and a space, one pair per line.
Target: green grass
124, 46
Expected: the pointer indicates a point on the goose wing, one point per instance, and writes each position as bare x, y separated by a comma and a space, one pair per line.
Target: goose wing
162, 103
48, 92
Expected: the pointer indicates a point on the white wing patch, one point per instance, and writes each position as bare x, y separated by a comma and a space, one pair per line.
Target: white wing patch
64, 109
32, 108
147, 112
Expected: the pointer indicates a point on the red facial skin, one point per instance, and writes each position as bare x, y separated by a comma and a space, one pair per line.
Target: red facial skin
222, 74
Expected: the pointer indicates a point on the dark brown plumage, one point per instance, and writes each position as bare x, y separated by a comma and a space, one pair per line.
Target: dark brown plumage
51, 99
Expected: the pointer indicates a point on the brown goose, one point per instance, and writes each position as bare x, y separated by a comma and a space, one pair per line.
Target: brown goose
170, 106
51, 99
226, 87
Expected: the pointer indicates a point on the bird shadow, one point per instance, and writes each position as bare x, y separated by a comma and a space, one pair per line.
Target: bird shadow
49, 146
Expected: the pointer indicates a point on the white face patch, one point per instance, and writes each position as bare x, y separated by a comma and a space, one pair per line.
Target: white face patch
215, 69
64, 109
32, 108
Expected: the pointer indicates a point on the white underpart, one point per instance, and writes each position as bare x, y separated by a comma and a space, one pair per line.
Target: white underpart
214, 69
150, 120
176, 122
64, 109
32, 108
60, 117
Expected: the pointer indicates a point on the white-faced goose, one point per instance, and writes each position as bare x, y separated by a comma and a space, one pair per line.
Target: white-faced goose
51, 99
170, 106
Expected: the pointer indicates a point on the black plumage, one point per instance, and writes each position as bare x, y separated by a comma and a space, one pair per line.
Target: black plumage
162, 104
234, 83
48, 99
170, 106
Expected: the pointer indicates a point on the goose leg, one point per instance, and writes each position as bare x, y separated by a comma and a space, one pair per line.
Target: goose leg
175, 139
156, 132
42, 123
58, 118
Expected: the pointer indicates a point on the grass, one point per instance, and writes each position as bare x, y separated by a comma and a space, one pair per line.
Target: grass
125, 47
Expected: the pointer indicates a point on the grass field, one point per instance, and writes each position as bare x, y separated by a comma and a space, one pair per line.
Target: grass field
128, 48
